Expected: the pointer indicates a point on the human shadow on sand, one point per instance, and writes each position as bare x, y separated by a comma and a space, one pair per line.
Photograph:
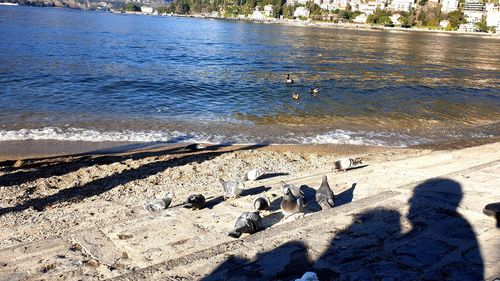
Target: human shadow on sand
102, 185
436, 244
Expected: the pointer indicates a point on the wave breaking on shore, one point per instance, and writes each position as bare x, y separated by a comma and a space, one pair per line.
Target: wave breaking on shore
338, 136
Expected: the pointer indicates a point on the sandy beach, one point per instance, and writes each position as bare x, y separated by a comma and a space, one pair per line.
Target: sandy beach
47, 203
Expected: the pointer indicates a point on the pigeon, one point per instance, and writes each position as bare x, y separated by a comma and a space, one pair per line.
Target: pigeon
195, 201
253, 174
231, 189
493, 210
293, 200
261, 203
314, 91
160, 203
344, 164
296, 191
324, 195
288, 79
194, 147
295, 96
248, 222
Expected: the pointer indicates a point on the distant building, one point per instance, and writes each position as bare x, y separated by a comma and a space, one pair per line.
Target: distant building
473, 5
257, 14
449, 6
401, 5
473, 11
147, 10
493, 16
370, 7
268, 10
318, 2
361, 19
291, 2
301, 12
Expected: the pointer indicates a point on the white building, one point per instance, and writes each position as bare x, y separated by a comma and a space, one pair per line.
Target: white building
257, 14
361, 19
147, 10
301, 12
401, 5
474, 16
291, 2
370, 7
493, 16
449, 6
318, 2
268, 10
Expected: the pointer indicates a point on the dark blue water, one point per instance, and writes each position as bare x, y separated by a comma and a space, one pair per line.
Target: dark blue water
67, 74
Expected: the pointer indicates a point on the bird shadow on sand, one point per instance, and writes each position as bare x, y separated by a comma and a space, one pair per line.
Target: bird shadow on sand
213, 201
102, 185
255, 190
271, 175
345, 196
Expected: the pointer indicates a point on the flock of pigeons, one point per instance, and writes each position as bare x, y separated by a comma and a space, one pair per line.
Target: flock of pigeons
296, 95
292, 202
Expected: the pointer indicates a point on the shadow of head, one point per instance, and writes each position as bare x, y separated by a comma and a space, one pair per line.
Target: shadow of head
445, 192
286, 262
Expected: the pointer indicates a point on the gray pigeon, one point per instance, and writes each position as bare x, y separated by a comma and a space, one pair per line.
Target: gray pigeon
324, 195
195, 201
160, 203
231, 189
248, 222
344, 164
296, 191
292, 204
261, 203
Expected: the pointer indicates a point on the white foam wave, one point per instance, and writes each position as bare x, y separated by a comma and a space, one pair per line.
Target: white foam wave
89, 135
363, 138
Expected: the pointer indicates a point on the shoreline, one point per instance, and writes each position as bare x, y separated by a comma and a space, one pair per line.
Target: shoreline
298, 23
332, 25
46, 149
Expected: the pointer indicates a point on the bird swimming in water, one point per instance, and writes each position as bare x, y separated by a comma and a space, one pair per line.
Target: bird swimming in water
295, 96
293, 199
314, 91
231, 189
195, 201
248, 222
261, 203
160, 203
344, 164
288, 79
324, 195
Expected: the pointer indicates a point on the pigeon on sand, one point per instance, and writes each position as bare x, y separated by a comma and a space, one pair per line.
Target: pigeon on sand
195, 201
248, 222
232, 189
324, 195
160, 203
293, 199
